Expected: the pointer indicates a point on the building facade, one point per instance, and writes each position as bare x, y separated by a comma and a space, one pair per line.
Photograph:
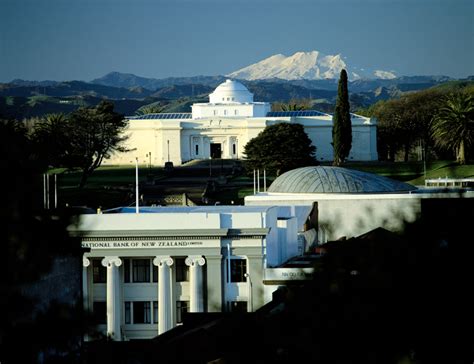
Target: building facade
144, 270
222, 128
351, 202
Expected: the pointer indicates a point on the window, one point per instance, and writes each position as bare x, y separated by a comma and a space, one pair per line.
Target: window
128, 313
100, 312
126, 270
141, 270
238, 306
236, 112
181, 308
215, 112
141, 312
232, 99
234, 148
197, 149
225, 112
228, 99
155, 273
238, 268
155, 312
99, 272
182, 270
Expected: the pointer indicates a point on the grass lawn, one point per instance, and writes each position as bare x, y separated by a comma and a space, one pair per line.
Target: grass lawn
114, 186
413, 172
107, 187
452, 170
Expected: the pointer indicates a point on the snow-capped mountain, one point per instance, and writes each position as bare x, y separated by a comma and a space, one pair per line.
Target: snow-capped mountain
305, 65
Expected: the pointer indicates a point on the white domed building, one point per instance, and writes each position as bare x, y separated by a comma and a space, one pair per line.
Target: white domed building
222, 127
350, 202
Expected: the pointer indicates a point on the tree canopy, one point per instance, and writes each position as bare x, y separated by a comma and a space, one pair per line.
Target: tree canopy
83, 139
279, 148
342, 126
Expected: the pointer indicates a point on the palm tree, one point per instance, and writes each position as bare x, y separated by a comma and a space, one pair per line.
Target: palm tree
453, 125
50, 137
292, 107
149, 109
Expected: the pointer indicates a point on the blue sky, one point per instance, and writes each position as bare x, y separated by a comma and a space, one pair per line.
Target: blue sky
85, 39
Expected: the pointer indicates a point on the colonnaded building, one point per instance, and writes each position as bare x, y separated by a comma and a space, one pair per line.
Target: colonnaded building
144, 270
222, 127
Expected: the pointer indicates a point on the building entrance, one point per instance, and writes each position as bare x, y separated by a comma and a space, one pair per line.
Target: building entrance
216, 150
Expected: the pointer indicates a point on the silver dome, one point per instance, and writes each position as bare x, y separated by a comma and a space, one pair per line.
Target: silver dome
321, 179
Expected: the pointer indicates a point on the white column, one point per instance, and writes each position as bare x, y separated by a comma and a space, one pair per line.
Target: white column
202, 153
195, 263
113, 297
85, 283
229, 147
165, 304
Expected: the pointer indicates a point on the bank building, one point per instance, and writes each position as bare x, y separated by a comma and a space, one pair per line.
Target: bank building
222, 127
144, 270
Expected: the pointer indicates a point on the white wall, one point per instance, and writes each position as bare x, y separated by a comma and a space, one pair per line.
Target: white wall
230, 110
287, 238
350, 215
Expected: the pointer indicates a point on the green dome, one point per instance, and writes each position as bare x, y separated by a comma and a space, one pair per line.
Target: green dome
321, 179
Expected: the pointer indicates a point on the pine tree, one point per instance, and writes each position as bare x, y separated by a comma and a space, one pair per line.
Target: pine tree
342, 127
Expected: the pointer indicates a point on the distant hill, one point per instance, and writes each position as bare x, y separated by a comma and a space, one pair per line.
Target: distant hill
178, 91
21, 98
72, 88
117, 79
18, 107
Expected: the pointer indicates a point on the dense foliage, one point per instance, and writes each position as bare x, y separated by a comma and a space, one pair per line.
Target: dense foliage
81, 140
342, 126
31, 241
279, 148
404, 124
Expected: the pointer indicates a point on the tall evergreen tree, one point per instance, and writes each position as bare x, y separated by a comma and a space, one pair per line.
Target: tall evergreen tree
342, 127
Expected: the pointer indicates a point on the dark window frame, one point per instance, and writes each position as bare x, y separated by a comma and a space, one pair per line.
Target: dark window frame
181, 308
128, 312
238, 269
155, 312
99, 272
126, 270
141, 312
181, 270
141, 276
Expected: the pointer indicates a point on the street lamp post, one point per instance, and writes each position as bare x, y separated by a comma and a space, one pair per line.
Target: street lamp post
168, 150
136, 185
249, 293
